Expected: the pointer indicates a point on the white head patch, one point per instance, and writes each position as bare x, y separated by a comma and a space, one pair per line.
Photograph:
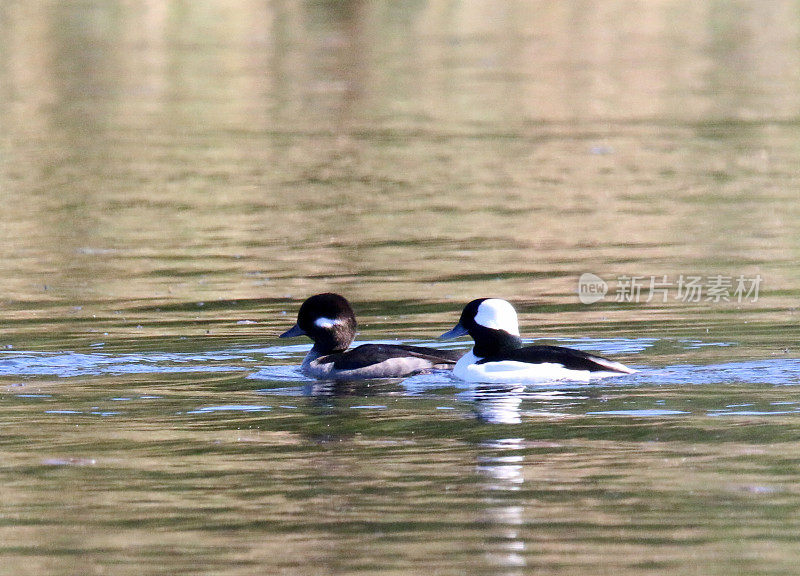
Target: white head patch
498, 315
323, 322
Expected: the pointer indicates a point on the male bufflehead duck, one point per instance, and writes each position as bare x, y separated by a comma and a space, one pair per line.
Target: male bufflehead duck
330, 322
498, 354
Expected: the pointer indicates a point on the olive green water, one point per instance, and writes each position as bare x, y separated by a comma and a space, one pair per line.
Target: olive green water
176, 177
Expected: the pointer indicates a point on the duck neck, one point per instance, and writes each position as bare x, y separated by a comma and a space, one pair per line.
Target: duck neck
499, 343
312, 355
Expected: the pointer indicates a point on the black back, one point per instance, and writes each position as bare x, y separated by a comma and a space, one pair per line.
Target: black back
567, 357
370, 354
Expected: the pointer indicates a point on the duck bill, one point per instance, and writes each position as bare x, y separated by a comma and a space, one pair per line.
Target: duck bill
293, 332
458, 330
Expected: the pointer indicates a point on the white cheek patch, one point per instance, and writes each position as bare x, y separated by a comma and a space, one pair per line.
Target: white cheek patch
323, 322
498, 315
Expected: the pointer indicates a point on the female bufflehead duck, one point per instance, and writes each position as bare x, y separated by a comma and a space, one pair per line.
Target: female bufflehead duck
330, 322
498, 355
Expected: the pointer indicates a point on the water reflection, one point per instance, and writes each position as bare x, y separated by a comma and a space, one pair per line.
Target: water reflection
496, 404
437, 145
332, 389
345, 61
501, 466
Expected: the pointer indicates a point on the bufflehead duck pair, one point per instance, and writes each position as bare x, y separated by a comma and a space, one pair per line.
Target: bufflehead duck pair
499, 356
328, 319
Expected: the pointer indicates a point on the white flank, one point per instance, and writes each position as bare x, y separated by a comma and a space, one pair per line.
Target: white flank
389, 368
498, 315
514, 372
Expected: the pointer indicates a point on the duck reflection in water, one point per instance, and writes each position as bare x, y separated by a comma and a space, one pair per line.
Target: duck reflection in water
365, 388
500, 466
496, 404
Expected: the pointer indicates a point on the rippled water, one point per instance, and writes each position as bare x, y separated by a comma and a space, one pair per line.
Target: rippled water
177, 177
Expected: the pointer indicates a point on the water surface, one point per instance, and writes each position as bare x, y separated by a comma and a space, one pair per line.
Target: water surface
177, 177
